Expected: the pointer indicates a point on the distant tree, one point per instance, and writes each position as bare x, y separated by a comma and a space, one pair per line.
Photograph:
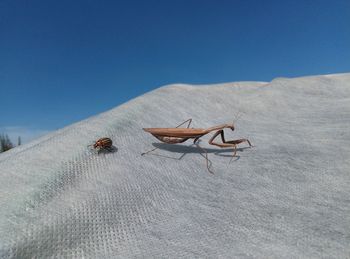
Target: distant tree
19, 142
5, 143
2, 143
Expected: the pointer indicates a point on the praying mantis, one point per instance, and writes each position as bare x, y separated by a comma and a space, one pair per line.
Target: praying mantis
180, 135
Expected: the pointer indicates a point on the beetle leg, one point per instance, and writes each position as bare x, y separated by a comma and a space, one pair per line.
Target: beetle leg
109, 149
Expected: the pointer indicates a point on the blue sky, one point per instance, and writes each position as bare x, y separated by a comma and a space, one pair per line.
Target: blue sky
63, 61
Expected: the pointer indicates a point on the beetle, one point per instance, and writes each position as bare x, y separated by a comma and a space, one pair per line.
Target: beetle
180, 135
103, 144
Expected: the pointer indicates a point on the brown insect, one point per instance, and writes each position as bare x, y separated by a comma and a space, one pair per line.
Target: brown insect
103, 144
180, 135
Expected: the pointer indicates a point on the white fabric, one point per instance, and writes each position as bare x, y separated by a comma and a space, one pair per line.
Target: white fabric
288, 197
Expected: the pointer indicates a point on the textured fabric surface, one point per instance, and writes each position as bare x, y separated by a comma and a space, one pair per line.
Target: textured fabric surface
288, 197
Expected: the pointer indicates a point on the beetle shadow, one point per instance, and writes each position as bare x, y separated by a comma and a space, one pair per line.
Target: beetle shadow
112, 149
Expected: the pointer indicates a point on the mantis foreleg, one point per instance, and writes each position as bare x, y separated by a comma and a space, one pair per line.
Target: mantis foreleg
230, 143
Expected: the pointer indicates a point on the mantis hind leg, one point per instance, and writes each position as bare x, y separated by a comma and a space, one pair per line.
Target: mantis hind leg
149, 151
168, 140
206, 157
189, 123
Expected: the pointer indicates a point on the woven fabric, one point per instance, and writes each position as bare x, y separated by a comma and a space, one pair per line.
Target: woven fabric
287, 197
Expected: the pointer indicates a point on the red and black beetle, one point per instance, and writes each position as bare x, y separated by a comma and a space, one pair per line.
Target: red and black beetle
103, 143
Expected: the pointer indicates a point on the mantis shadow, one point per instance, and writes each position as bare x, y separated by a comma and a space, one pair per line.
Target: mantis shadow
194, 149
